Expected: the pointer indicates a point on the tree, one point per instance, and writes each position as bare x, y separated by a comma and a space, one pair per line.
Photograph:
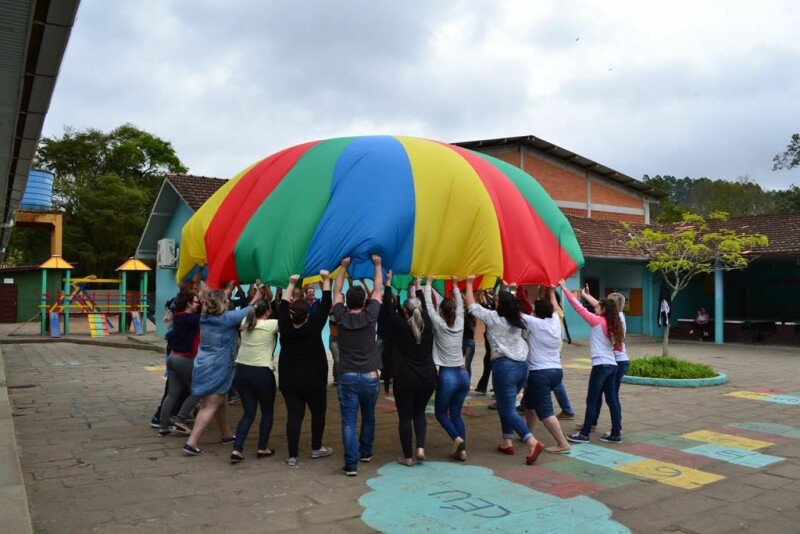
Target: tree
681, 251
105, 183
790, 158
788, 200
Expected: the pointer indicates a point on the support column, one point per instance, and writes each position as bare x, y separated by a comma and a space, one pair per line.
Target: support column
43, 301
719, 319
144, 305
67, 300
123, 327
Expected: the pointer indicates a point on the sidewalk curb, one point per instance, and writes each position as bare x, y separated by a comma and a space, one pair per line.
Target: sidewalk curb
14, 506
139, 345
720, 379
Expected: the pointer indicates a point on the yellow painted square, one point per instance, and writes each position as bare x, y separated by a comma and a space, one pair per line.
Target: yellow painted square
728, 440
748, 395
577, 366
670, 474
155, 367
584, 360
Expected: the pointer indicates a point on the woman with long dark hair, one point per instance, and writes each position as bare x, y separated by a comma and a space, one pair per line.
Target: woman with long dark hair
413, 371
255, 377
303, 367
606, 334
507, 335
452, 385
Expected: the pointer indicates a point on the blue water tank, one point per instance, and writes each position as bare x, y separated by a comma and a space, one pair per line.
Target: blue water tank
38, 195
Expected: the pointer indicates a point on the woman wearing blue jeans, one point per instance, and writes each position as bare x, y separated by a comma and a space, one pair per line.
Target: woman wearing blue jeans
508, 337
452, 385
606, 334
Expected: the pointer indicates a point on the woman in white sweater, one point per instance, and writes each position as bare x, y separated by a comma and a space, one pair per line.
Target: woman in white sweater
452, 384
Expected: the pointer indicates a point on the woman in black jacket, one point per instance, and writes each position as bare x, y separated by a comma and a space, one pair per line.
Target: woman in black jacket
413, 371
303, 367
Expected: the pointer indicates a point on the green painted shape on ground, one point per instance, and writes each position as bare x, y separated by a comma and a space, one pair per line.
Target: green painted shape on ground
770, 428
596, 474
441, 497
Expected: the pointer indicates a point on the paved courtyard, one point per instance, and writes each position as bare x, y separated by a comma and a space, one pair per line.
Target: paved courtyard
718, 459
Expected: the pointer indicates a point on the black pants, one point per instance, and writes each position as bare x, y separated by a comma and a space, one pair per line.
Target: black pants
411, 402
317, 400
256, 387
483, 383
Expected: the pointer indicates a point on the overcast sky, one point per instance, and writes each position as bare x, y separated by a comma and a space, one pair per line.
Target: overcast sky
687, 88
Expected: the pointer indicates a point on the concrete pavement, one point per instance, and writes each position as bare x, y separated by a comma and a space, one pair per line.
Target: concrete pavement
719, 459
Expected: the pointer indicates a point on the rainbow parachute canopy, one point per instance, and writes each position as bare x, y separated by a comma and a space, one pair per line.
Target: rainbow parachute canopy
426, 207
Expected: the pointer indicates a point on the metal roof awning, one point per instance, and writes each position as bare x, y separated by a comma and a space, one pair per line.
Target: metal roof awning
33, 38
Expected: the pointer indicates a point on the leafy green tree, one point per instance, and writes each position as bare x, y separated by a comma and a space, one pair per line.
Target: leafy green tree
681, 251
790, 158
105, 183
788, 200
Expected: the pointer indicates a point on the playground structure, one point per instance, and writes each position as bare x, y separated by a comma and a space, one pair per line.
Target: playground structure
76, 299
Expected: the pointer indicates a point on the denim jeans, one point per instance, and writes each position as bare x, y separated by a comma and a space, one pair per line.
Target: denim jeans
602, 380
468, 349
508, 378
357, 390
537, 391
451, 391
333, 343
622, 370
562, 398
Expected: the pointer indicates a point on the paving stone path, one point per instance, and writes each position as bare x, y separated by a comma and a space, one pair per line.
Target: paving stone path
704, 460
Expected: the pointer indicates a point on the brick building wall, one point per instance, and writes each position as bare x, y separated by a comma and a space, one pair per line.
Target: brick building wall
576, 191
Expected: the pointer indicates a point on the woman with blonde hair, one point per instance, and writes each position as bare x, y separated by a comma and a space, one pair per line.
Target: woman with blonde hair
212, 375
413, 371
255, 377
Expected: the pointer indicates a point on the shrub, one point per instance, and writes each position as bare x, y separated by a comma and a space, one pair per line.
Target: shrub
661, 367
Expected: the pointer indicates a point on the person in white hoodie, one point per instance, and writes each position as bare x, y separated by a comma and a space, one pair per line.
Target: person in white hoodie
452, 384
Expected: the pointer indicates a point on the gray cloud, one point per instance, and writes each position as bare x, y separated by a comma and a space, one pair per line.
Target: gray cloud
229, 84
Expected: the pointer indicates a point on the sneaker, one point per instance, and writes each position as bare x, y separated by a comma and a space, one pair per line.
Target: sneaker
349, 471
291, 462
234, 399
480, 391
577, 437
191, 451
366, 458
564, 415
166, 432
178, 428
227, 441
155, 422
322, 452
610, 438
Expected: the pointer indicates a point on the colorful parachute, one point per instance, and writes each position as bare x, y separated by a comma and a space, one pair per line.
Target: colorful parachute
428, 208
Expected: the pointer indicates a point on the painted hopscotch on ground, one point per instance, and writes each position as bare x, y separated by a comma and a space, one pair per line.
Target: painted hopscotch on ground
678, 461
779, 398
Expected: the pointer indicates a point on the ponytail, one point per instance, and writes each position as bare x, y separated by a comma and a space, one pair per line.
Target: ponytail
413, 311
259, 309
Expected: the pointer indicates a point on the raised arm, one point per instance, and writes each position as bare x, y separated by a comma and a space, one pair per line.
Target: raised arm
587, 316
321, 316
377, 278
428, 301
588, 297
287, 295
459, 300
470, 295
554, 301
337, 288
